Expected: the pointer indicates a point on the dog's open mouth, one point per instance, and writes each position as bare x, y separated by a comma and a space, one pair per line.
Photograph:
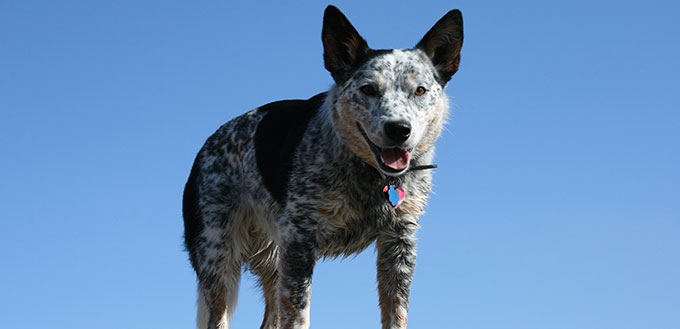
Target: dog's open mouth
391, 160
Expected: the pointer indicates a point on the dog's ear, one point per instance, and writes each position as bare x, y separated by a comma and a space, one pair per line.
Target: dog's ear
343, 47
443, 43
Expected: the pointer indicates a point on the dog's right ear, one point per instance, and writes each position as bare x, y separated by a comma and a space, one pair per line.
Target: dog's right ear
442, 44
343, 47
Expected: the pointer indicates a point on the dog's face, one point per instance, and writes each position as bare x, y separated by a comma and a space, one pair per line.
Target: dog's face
390, 104
391, 109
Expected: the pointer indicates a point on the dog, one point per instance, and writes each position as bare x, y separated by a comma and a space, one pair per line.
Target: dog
294, 181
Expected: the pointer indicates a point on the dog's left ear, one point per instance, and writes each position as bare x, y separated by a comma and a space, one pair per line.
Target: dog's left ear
343, 47
443, 43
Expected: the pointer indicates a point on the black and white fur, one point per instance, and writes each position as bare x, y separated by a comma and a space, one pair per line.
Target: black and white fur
279, 187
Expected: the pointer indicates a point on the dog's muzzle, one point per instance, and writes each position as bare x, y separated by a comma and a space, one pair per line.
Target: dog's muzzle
392, 161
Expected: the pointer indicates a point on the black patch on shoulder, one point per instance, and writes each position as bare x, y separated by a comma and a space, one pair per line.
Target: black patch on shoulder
193, 225
277, 137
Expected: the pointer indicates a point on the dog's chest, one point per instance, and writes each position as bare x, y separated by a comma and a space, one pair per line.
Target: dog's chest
347, 224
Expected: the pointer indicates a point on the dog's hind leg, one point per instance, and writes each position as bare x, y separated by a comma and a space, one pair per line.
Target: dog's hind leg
202, 314
218, 297
264, 265
218, 263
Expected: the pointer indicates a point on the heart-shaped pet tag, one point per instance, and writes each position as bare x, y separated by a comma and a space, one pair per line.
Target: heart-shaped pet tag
394, 194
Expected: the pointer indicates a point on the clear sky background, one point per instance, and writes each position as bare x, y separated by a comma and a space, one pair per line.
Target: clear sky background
557, 198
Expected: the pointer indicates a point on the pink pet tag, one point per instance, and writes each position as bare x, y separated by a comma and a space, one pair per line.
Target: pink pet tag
394, 194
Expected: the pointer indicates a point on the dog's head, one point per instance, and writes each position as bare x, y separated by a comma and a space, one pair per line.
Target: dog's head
390, 104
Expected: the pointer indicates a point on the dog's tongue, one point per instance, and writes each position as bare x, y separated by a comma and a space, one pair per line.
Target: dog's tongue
395, 158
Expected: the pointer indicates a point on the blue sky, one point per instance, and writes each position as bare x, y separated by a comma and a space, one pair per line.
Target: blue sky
557, 198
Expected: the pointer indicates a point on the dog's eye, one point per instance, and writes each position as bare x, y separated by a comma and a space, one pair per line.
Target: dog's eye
368, 90
420, 91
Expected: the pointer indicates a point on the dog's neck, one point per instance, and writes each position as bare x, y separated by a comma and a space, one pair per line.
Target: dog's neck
330, 136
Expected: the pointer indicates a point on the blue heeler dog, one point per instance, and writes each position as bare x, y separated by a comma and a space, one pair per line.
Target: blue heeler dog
279, 187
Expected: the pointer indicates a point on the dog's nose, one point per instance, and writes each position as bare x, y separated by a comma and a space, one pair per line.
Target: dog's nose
398, 131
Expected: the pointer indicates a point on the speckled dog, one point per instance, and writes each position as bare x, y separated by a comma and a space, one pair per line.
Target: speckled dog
280, 187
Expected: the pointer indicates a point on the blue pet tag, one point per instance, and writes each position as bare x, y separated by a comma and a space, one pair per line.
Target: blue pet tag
394, 194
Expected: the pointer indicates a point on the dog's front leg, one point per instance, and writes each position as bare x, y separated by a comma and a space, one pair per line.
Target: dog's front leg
396, 263
296, 265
